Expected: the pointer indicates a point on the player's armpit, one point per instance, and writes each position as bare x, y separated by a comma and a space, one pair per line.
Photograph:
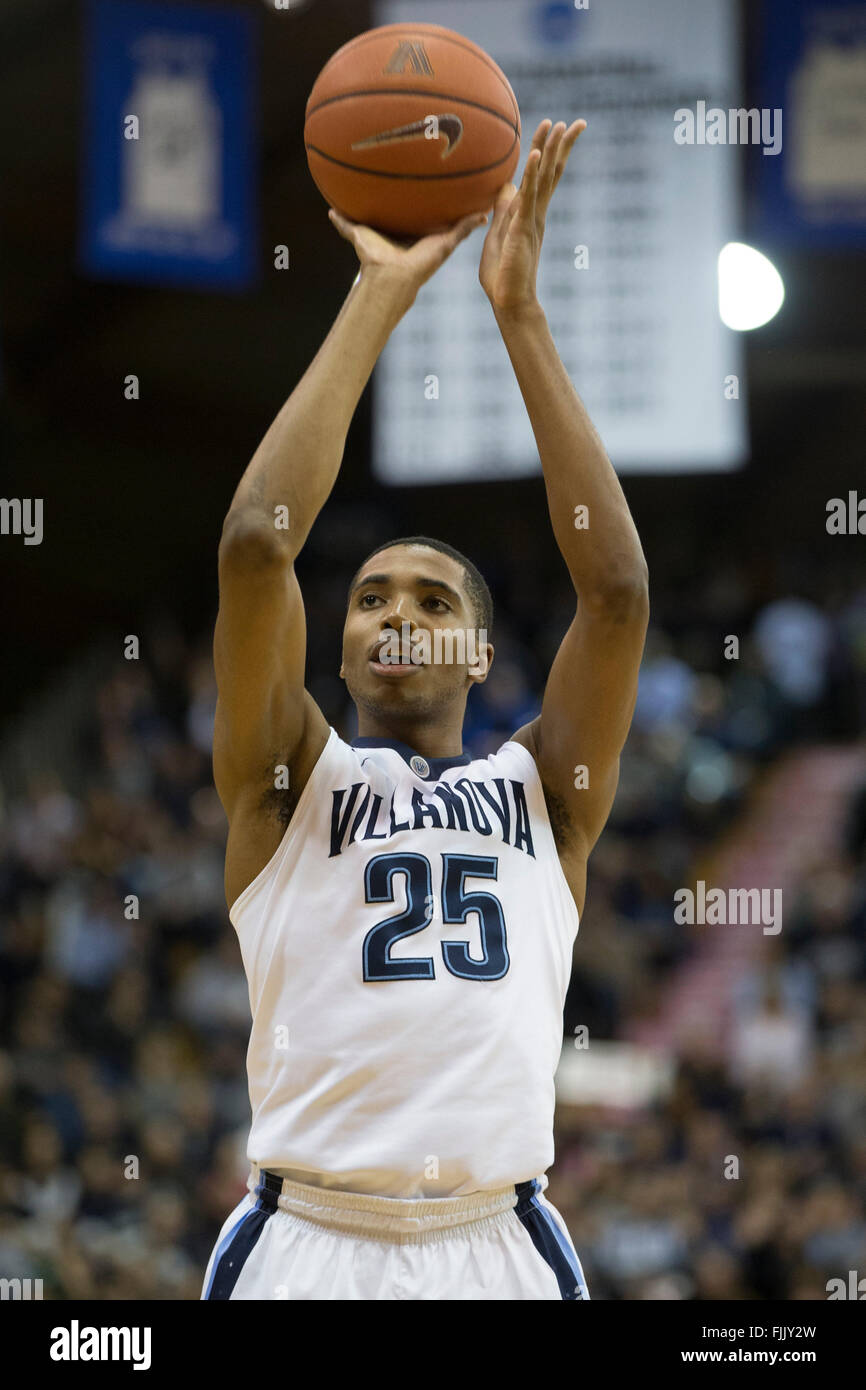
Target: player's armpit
259, 657
586, 713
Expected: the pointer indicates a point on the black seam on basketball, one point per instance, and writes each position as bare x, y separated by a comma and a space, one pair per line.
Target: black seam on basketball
415, 178
412, 92
444, 35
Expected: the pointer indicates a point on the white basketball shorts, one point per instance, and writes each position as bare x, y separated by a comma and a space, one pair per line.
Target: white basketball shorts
286, 1240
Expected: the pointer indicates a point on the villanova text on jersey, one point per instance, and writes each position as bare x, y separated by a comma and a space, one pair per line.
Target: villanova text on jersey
496, 807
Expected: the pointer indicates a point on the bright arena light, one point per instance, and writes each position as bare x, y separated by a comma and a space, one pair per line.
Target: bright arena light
751, 290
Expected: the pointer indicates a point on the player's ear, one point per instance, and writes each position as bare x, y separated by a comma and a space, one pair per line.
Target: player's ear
479, 671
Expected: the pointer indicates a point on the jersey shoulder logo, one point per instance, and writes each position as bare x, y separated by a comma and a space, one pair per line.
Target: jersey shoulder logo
447, 127
411, 55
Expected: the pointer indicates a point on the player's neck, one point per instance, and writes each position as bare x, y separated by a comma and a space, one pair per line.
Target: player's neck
429, 739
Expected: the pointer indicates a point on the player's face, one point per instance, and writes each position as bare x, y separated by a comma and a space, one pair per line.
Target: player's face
410, 643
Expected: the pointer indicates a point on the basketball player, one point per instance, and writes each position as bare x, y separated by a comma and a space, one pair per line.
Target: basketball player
406, 914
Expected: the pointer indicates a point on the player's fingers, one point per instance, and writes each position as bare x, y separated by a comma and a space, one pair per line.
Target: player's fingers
568, 143
540, 137
529, 187
507, 200
530, 172
504, 201
557, 152
446, 241
510, 215
343, 225
549, 160
466, 226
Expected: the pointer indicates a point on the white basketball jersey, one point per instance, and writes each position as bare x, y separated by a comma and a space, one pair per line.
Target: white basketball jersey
408, 950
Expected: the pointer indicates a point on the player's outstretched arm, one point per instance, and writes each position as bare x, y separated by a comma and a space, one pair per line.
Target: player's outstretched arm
263, 712
591, 690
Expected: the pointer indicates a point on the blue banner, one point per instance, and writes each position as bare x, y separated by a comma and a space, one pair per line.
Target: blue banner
814, 69
170, 144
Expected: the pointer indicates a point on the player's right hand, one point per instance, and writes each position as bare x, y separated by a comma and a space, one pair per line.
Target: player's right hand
409, 263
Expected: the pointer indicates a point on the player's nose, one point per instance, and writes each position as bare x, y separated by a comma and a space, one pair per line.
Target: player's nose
392, 622
396, 615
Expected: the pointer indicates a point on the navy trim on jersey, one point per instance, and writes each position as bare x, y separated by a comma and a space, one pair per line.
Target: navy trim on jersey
242, 1238
550, 1242
436, 765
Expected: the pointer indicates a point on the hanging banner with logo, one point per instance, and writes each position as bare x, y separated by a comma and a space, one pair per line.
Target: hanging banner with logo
629, 268
815, 68
169, 144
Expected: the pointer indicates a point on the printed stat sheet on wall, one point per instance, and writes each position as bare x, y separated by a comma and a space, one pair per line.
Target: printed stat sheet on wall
629, 267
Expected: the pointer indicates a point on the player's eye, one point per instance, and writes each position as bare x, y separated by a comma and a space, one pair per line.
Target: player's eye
363, 600
434, 599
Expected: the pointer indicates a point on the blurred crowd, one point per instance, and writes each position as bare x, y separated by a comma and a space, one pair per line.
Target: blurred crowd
125, 1014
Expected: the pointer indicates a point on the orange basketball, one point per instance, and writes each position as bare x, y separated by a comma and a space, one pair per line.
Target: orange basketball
410, 127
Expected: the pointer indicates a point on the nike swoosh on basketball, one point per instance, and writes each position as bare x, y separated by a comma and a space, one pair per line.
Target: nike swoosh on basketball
450, 126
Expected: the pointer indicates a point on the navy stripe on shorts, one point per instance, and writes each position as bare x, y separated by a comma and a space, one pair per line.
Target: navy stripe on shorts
550, 1242
242, 1238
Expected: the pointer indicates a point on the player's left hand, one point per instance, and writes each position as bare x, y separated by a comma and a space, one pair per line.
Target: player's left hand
408, 263
509, 261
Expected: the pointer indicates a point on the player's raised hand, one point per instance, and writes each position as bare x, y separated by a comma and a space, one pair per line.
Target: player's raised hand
509, 261
409, 263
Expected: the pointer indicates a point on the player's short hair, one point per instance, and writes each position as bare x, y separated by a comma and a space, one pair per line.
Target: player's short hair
473, 580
